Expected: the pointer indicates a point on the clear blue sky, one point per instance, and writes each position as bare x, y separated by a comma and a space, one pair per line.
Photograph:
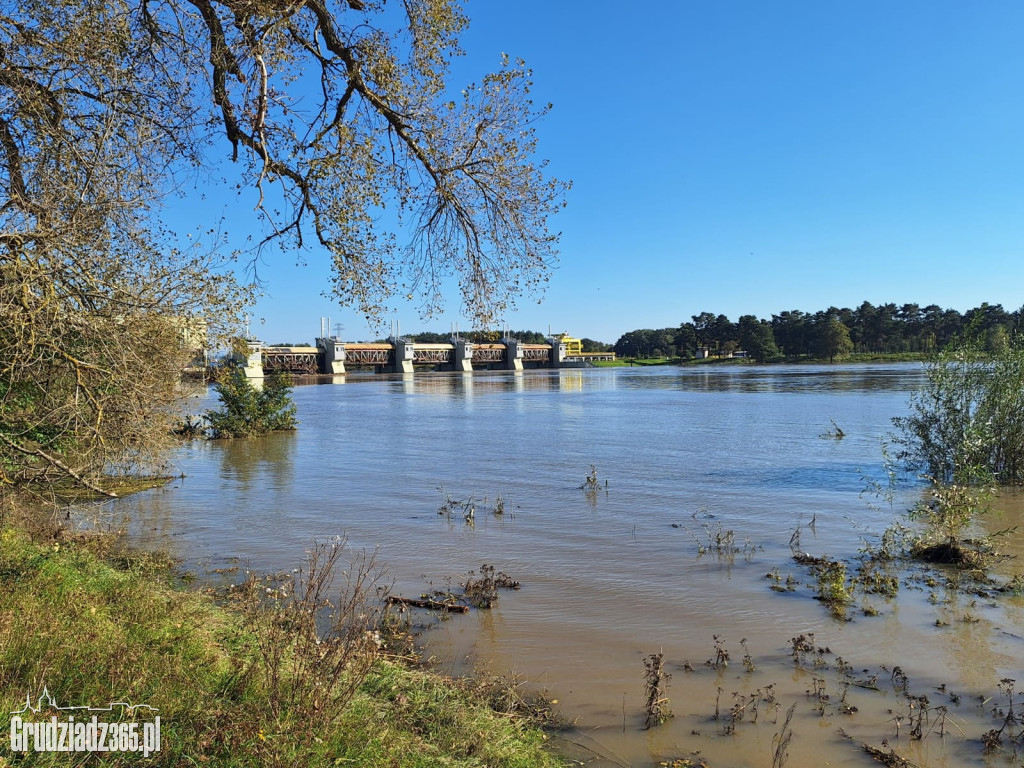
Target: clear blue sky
739, 156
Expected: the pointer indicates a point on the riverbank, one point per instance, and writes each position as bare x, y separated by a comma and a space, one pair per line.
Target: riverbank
90, 623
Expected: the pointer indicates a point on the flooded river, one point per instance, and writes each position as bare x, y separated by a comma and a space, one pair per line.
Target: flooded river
609, 576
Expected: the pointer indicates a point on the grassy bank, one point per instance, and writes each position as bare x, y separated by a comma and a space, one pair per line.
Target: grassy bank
631, 361
233, 686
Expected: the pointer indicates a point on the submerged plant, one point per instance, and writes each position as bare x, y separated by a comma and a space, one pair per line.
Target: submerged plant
655, 701
467, 508
721, 654
836, 433
722, 543
1012, 727
874, 578
831, 586
1015, 586
780, 741
482, 591
946, 517
590, 482
748, 660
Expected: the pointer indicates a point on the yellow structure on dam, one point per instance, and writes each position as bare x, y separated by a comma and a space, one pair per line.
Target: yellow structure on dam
573, 347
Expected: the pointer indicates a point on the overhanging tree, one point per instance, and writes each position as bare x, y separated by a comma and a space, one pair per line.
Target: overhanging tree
331, 113
338, 110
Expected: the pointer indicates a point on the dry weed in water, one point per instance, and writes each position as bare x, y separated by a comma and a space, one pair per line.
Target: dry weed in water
656, 703
317, 638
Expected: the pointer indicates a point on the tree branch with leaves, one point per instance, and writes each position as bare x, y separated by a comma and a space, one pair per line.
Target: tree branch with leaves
335, 113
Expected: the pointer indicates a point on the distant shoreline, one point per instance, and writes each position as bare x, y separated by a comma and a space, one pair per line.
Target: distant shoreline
859, 357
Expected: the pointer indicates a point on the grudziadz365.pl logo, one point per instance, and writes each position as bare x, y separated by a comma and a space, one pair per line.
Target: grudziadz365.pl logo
84, 728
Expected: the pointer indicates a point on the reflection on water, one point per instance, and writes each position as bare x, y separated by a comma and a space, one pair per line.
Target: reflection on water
780, 379
265, 459
609, 577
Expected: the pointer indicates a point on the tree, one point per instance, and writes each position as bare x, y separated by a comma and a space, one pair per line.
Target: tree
529, 337
646, 342
835, 340
686, 341
638, 343
703, 328
791, 333
724, 336
247, 411
663, 342
429, 337
109, 105
589, 345
755, 336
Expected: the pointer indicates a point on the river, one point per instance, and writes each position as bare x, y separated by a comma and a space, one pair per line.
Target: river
682, 457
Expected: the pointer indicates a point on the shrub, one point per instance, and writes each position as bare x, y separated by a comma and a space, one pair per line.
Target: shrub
249, 411
967, 422
947, 516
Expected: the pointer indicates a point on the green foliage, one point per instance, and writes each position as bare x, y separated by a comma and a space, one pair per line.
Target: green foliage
757, 339
949, 512
832, 586
249, 411
887, 329
966, 423
648, 343
835, 340
590, 345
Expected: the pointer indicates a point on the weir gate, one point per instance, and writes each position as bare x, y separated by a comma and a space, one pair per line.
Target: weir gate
334, 356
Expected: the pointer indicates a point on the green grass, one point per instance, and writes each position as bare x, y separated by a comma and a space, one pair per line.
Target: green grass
94, 626
628, 361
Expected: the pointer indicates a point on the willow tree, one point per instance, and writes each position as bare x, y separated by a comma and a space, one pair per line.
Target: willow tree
331, 113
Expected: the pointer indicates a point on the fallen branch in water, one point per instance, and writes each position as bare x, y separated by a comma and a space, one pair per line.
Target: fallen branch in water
434, 605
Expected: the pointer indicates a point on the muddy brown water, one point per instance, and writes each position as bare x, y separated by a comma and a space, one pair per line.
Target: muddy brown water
613, 575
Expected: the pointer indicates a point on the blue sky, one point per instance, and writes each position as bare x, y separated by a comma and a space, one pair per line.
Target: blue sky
749, 157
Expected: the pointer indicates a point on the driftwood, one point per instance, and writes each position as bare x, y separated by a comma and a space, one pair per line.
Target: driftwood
434, 605
889, 758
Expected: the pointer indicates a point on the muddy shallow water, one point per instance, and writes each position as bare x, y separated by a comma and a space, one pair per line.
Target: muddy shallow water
683, 458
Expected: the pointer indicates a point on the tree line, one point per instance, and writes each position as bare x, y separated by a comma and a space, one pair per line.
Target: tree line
830, 333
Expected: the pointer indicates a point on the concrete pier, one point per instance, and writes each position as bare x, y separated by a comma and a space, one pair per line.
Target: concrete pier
463, 356
405, 353
513, 355
334, 355
557, 353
